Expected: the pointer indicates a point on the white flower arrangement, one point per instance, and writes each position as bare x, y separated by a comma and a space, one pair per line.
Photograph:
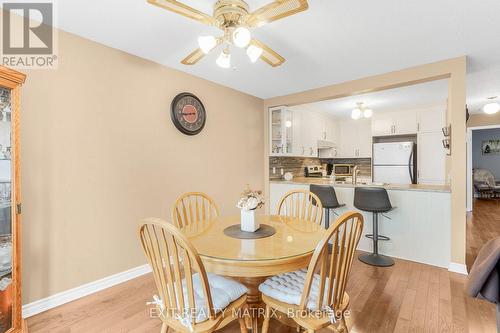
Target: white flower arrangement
250, 200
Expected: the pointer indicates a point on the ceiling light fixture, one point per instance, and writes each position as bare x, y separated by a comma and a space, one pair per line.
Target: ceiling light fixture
356, 114
241, 37
236, 22
224, 59
491, 108
207, 43
254, 52
361, 111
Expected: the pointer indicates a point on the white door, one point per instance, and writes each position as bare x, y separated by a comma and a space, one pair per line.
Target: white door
431, 158
405, 122
391, 174
382, 124
394, 153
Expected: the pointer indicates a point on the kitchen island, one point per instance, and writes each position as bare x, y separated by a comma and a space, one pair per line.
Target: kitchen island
419, 226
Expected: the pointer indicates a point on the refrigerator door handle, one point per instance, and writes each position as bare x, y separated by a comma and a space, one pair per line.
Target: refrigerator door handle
409, 168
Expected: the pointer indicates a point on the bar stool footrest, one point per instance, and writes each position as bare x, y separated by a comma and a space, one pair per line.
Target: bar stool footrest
380, 237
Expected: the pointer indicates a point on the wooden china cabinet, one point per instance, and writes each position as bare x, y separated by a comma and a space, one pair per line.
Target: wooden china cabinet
10, 203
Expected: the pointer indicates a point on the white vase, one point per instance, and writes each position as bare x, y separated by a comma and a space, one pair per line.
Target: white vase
248, 221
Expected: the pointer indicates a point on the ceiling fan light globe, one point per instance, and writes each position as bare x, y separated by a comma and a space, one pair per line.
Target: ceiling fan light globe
356, 114
207, 43
368, 113
241, 37
254, 53
224, 60
491, 108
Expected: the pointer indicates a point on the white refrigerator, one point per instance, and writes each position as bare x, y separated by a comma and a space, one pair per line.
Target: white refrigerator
394, 163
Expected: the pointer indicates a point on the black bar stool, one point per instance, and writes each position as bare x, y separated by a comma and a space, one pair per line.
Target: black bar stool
374, 200
328, 199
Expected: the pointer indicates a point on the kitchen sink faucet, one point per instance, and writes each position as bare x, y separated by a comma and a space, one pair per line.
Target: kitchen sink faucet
355, 172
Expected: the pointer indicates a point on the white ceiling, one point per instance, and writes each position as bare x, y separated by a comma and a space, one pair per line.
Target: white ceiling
426, 95
334, 41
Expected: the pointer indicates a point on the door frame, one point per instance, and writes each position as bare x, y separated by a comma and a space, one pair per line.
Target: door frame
470, 190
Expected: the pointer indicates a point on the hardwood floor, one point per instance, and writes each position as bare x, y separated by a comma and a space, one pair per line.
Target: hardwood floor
483, 224
408, 297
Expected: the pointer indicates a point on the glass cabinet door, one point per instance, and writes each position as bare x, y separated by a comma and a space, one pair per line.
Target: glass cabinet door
276, 133
5, 212
281, 131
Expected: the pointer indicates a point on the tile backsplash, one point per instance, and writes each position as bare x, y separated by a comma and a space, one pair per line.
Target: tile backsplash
296, 165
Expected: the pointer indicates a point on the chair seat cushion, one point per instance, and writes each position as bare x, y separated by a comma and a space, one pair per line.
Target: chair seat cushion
223, 290
288, 288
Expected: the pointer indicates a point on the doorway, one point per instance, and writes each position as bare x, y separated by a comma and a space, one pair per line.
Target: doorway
483, 200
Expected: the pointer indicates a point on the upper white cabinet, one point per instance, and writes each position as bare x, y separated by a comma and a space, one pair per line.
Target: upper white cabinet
296, 132
431, 120
394, 123
431, 158
431, 154
355, 139
281, 131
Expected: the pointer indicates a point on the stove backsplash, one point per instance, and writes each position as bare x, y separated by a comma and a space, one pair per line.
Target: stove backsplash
296, 165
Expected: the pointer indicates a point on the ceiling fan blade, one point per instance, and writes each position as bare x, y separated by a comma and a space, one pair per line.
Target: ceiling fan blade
268, 55
276, 10
193, 57
184, 10
197, 54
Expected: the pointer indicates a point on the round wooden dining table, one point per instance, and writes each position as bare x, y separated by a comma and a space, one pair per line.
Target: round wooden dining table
251, 261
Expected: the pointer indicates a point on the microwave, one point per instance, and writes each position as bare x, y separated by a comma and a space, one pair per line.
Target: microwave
342, 169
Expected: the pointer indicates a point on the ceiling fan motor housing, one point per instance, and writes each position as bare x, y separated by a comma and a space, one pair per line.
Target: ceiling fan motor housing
230, 12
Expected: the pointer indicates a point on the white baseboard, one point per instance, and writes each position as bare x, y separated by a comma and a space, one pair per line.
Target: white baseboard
458, 268
50, 302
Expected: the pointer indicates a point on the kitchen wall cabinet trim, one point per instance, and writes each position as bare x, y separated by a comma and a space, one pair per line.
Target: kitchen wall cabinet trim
12, 81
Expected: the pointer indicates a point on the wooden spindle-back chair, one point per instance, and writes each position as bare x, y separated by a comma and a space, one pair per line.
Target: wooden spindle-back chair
301, 204
174, 262
333, 271
193, 207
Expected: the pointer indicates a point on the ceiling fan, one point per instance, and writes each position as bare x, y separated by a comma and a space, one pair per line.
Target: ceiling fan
234, 18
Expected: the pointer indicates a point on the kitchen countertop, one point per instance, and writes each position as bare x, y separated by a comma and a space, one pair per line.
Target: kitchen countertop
400, 187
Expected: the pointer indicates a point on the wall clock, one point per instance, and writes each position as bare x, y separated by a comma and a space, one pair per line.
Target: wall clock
188, 113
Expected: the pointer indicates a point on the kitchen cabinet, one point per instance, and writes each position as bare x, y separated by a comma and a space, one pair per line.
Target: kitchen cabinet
431, 120
431, 154
355, 139
295, 132
394, 123
431, 158
312, 131
281, 129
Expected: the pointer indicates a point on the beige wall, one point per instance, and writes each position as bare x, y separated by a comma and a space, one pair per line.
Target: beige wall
99, 152
454, 70
483, 119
